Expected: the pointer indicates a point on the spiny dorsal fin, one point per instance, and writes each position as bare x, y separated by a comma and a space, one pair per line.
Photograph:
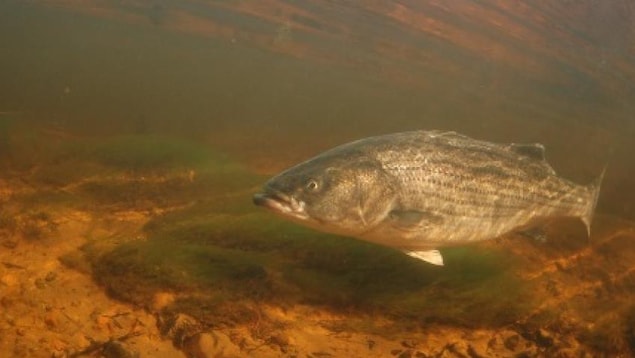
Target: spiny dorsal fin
446, 134
533, 150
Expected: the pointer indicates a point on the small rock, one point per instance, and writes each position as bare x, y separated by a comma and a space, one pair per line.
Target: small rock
80, 340
512, 342
279, 340
409, 343
211, 345
102, 322
52, 319
544, 338
460, 349
371, 343
39, 283
473, 352
10, 244
7, 301
116, 349
492, 342
51, 276
10, 320
180, 328
9, 280
58, 345
162, 300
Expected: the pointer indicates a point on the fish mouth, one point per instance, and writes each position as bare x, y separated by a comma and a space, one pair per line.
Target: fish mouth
282, 204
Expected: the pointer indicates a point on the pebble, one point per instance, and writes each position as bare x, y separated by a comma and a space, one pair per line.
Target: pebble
102, 321
512, 342
10, 244
180, 328
211, 345
162, 300
52, 319
58, 345
51, 276
9, 280
116, 349
80, 340
39, 283
544, 338
279, 340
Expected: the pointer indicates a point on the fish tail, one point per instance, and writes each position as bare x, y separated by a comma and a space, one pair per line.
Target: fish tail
594, 194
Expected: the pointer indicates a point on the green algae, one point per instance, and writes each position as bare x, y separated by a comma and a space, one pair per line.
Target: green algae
145, 152
137, 171
254, 256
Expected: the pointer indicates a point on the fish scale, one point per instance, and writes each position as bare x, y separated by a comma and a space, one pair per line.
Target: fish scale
418, 191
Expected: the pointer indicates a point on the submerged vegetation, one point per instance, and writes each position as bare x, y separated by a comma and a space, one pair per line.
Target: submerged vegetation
255, 257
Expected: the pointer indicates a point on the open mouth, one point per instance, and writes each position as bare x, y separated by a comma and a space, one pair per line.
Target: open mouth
281, 203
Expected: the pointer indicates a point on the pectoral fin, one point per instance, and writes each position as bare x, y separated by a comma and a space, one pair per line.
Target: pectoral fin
431, 256
411, 220
535, 233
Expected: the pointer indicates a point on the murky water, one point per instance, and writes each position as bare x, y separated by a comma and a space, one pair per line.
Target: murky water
134, 133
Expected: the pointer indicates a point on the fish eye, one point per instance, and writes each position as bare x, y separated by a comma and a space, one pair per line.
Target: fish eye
312, 185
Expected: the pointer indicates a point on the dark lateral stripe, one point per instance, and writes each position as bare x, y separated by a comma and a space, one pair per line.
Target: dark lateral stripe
545, 192
541, 195
563, 200
475, 207
460, 170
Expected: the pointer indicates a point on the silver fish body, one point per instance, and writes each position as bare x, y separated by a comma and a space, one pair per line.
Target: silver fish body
418, 191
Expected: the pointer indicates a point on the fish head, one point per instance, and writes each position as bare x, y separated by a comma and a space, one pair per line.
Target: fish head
337, 195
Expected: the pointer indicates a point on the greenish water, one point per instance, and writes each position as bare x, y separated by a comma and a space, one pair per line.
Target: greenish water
132, 108
104, 76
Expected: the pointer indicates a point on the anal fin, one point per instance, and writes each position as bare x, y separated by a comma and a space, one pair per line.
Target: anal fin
430, 256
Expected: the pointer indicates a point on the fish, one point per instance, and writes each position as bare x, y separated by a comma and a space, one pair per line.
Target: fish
419, 191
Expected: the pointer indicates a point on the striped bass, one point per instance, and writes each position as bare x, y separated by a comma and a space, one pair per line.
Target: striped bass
422, 190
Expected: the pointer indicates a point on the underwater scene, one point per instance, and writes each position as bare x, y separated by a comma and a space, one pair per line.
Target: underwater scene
145, 210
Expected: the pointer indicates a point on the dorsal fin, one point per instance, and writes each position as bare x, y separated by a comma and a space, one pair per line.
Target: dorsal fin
533, 150
446, 134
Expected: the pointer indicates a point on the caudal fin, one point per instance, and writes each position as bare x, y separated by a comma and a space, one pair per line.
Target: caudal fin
594, 192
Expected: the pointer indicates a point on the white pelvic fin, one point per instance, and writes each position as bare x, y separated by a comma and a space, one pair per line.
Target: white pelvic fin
431, 256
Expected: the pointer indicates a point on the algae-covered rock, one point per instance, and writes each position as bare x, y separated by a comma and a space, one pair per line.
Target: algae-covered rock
211, 253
